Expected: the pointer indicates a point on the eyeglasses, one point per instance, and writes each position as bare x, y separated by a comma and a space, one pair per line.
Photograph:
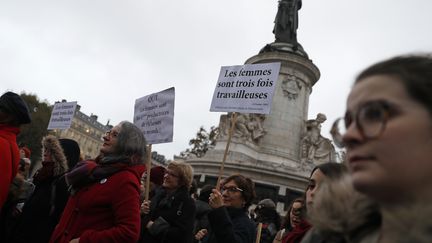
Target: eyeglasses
231, 189
112, 133
371, 119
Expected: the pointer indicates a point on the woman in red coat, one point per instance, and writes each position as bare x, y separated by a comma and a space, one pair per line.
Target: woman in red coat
104, 205
13, 113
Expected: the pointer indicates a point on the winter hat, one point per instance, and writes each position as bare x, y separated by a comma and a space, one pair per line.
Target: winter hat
266, 203
13, 104
157, 174
71, 150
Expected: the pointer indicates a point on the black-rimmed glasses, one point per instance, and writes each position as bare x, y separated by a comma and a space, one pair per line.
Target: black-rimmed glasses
370, 119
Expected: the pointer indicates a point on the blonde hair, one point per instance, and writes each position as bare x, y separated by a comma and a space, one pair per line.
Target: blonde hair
185, 172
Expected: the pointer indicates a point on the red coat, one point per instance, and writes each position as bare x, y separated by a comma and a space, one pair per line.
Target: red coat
9, 159
106, 211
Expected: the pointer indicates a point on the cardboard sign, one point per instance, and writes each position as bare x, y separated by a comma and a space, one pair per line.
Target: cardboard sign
246, 88
154, 115
62, 115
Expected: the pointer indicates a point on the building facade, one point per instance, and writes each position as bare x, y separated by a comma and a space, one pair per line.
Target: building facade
87, 131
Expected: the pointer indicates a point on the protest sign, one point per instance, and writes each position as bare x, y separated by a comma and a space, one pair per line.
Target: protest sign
246, 88
62, 115
154, 115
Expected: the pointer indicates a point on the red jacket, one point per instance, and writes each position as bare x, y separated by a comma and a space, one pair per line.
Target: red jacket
9, 159
106, 211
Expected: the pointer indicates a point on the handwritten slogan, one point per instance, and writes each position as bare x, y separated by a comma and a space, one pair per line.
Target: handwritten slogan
62, 115
154, 115
245, 88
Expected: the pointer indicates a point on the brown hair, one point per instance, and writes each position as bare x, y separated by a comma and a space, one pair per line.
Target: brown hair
246, 185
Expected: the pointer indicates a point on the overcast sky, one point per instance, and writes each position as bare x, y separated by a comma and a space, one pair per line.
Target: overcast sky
105, 54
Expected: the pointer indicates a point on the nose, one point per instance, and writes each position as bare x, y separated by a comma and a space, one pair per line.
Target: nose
352, 136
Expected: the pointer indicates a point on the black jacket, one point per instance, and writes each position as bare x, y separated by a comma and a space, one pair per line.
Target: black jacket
201, 219
173, 216
42, 211
231, 225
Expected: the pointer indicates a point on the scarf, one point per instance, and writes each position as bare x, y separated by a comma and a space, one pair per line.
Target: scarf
44, 173
88, 172
297, 233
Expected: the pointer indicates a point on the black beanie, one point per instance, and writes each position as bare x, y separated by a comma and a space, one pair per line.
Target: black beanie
13, 104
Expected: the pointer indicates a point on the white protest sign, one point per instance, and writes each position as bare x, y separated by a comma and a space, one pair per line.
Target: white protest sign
246, 88
62, 115
154, 115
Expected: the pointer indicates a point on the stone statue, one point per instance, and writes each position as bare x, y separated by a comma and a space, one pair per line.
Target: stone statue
286, 22
316, 148
255, 126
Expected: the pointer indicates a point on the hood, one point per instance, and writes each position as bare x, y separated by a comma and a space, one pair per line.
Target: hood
343, 211
52, 144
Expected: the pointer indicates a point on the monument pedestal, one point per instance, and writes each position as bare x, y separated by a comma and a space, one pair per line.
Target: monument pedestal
268, 148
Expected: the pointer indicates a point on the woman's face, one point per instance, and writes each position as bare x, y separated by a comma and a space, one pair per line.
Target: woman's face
295, 219
396, 164
315, 181
232, 195
47, 155
171, 179
110, 140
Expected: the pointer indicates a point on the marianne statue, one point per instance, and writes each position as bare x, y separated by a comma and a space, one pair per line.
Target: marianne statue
286, 22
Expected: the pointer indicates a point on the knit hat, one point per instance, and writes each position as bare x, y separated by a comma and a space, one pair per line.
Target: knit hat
157, 174
266, 203
13, 104
71, 150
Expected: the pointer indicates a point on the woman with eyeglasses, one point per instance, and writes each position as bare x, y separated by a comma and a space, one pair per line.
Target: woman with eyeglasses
228, 218
387, 133
104, 205
170, 215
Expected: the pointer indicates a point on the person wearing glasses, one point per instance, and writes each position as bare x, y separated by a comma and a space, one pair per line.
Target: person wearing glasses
104, 205
228, 218
170, 215
387, 134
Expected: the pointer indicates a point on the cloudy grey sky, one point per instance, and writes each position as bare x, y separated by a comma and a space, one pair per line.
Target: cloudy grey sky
105, 54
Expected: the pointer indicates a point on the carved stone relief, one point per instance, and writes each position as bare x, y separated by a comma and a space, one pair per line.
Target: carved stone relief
291, 86
248, 127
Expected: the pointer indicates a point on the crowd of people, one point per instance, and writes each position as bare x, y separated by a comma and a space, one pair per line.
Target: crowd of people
381, 193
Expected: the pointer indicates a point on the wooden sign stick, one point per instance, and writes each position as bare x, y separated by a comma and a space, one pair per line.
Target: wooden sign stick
148, 167
258, 236
231, 130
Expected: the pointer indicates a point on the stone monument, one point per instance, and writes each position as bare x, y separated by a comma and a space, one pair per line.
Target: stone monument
277, 150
